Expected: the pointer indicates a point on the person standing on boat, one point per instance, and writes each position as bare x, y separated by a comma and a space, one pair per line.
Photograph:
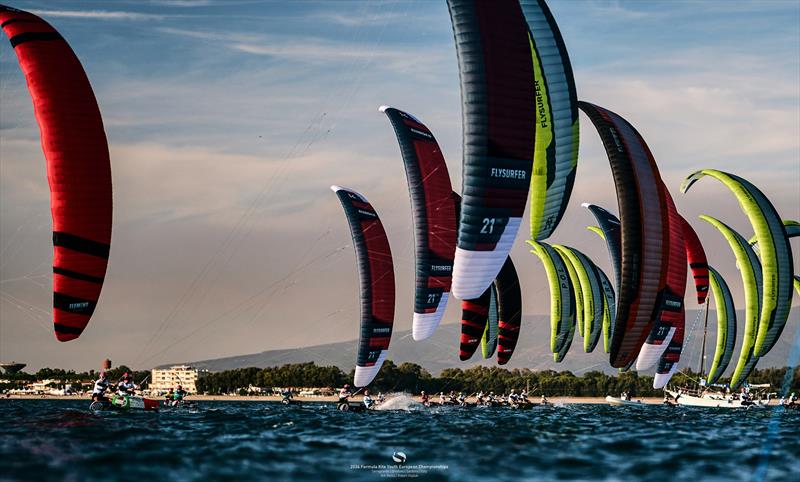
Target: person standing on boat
126, 386
100, 387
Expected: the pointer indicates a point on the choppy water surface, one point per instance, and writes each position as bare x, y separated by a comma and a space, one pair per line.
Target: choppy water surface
63, 440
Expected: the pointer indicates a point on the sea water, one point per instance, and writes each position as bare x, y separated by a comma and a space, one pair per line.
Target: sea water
44, 440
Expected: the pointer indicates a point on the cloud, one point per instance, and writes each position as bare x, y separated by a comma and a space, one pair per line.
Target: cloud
323, 51
98, 14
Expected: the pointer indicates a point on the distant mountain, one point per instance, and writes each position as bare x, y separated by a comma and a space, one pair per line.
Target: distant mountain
441, 350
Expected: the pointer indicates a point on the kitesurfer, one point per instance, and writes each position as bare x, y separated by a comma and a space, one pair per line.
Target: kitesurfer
345, 393
286, 396
441, 398
381, 398
178, 394
462, 399
100, 387
168, 396
368, 401
425, 399
544, 400
126, 386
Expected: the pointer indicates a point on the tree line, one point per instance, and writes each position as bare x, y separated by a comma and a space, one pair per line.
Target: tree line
412, 378
20, 379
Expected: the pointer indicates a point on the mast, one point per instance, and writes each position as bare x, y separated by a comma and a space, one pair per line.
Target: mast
703, 349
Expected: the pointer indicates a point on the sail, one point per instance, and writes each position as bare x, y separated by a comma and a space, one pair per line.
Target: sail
726, 325
751, 272
78, 167
509, 311
775, 251
435, 223
489, 338
644, 235
376, 272
555, 158
499, 115
562, 304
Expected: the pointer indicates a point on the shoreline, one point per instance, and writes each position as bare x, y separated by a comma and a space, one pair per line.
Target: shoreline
329, 399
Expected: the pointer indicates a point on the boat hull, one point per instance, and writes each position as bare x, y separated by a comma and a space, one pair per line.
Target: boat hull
619, 401
711, 401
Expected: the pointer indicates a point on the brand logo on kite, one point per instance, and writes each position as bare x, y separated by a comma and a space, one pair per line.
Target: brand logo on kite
399, 458
423, 134
507, 173
435, 267
540, 104
79, 306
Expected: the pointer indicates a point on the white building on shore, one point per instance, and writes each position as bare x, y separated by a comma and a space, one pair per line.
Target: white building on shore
162, 379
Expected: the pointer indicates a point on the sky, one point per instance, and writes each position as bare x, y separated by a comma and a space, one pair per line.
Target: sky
228, 121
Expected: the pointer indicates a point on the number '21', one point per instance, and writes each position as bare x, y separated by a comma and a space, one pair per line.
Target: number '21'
488, 226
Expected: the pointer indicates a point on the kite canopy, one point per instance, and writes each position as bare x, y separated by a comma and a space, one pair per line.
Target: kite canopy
726, 325
696, 256
435, 222
609, 308
775, 251
670, 309
555, 159
562, 304
591, 292
489, 338
376, 272
750, 269
610, 230
474, 318
509, 311
78, 166
644, 235
499, 115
